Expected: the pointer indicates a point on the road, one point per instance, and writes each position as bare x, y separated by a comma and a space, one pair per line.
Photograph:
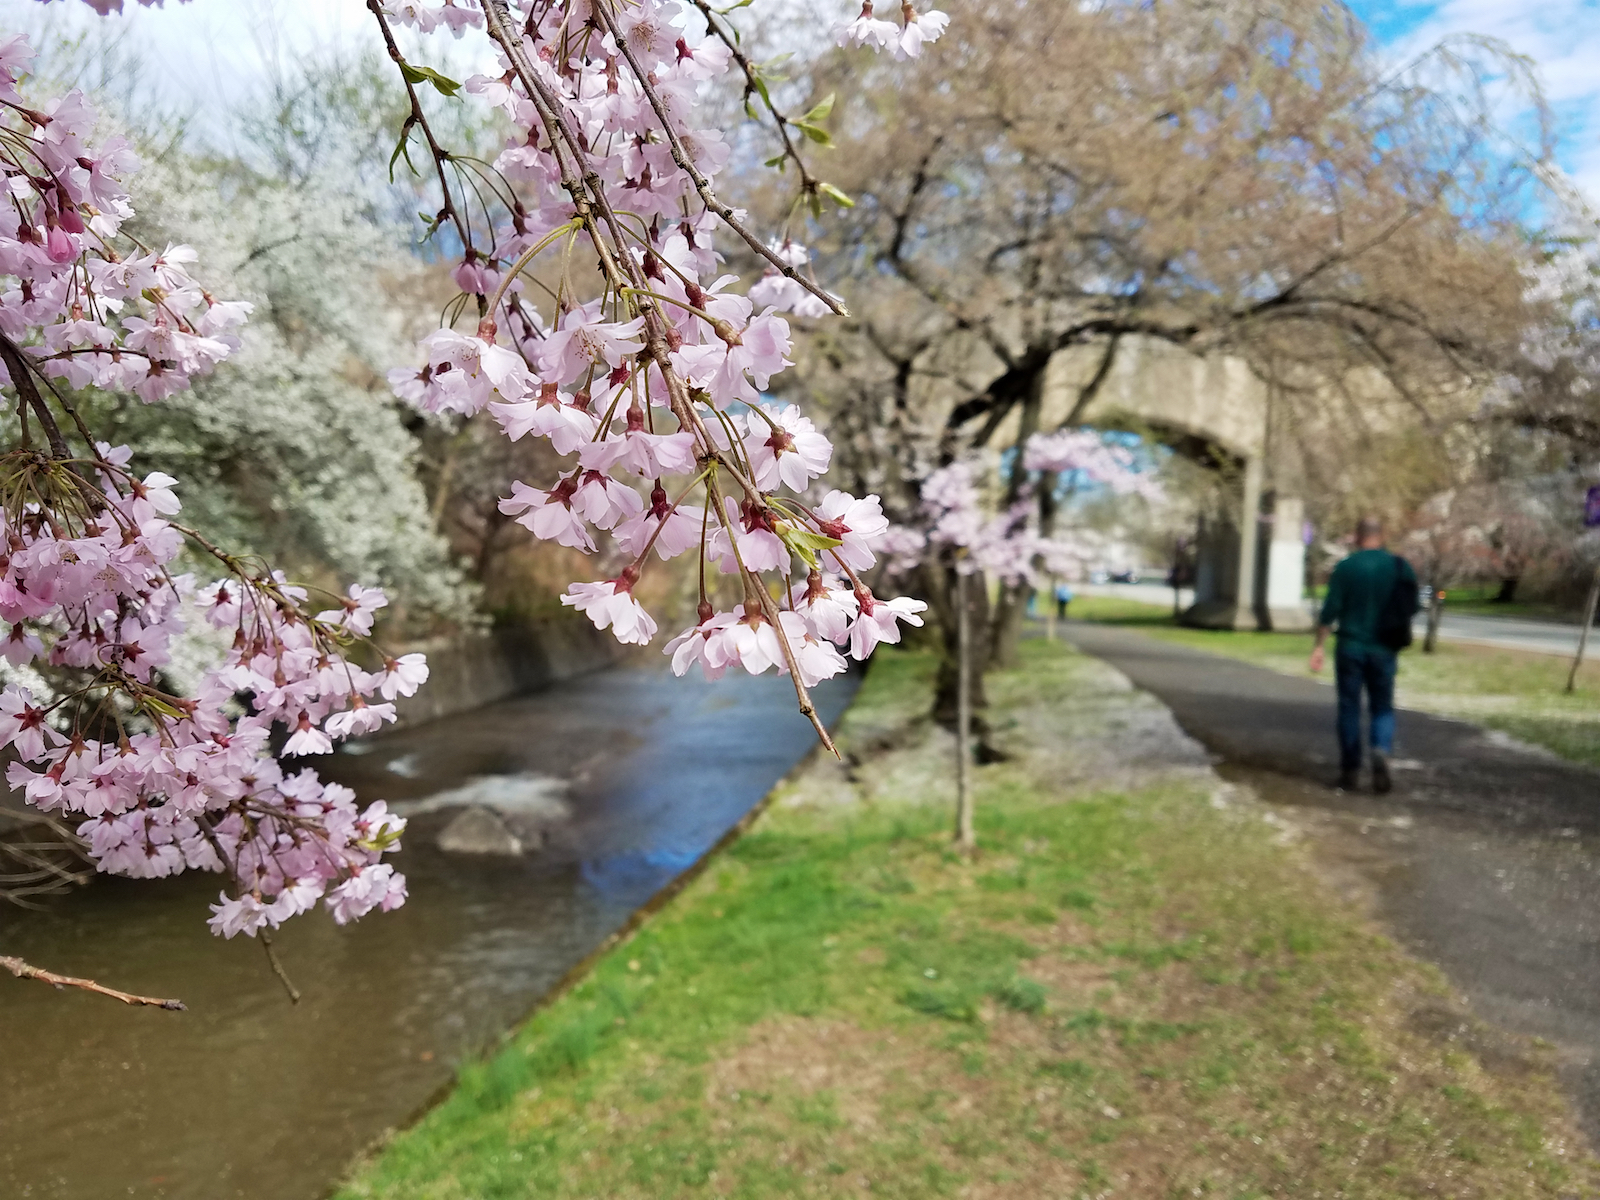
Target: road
1506, 633
1485, 860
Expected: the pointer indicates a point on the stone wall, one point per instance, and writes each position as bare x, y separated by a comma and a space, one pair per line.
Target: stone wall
470, 671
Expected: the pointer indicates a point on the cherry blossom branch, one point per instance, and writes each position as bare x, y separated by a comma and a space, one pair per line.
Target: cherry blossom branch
23, 970
419, 120
22, 379
277, 968
808, 182
701, 184
753, 589
548, 106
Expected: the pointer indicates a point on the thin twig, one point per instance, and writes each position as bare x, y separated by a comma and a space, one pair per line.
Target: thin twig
808, 182
420, 120
24, 970
277, 968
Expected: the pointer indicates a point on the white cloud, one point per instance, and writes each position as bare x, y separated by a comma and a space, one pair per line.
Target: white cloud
206, 55
1563, 39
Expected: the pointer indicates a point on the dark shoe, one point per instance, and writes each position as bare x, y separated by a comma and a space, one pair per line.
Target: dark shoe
1381, 783
1347, 781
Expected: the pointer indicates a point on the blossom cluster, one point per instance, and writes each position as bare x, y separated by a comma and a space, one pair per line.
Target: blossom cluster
129, 322
89, 585
903, 41
650, 379
1009, 544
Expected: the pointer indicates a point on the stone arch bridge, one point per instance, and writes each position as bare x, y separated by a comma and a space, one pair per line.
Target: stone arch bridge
1251, 557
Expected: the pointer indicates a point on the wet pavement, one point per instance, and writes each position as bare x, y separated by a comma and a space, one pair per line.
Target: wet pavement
247, 1096
1485, 859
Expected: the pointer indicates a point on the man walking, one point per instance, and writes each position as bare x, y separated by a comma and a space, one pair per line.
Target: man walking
1371, 598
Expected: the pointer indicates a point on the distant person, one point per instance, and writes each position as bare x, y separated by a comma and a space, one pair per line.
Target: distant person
1372, 596
1063, 598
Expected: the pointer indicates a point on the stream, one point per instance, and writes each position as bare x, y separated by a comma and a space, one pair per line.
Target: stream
248, 1096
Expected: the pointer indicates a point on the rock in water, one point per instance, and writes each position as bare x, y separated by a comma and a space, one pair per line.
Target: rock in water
479, 830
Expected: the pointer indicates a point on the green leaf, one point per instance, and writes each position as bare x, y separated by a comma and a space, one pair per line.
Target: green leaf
152, 704
758, 81
817, 134
820, 110
443, 84
381, 842
802, 542
402, 148
777, 160
834, 194
750, 110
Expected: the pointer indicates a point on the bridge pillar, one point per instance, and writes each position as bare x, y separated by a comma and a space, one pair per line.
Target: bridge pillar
1281, 589
1225, 562
1250, 569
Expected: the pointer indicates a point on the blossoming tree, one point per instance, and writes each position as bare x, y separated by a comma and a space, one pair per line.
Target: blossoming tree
645, 373
1008, 543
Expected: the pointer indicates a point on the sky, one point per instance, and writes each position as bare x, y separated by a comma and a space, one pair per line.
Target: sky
1561, 36
212, 52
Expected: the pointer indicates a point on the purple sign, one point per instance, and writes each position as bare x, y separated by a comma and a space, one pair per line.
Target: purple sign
1591, 507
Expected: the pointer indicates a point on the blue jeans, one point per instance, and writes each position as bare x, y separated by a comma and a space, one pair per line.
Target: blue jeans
1372, 668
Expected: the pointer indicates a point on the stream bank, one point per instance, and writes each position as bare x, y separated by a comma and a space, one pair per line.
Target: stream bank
1140, 986
245, 1096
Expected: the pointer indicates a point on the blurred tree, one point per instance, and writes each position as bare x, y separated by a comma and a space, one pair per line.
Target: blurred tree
1243, 176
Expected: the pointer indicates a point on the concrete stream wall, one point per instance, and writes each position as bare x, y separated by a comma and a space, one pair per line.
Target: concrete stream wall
471, 671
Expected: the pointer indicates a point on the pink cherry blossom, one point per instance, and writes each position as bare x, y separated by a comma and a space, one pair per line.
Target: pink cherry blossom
702, 644
549, 515
867, 30
858, 524
793, 452
917, 33
879, 621
403, 676
610, 605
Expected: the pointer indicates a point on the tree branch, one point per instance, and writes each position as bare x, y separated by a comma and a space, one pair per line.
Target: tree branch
24, 970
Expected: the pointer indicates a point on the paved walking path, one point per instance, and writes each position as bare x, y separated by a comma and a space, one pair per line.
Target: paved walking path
1507, 633
1486, 859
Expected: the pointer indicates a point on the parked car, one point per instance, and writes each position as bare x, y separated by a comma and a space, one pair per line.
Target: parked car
1129, 576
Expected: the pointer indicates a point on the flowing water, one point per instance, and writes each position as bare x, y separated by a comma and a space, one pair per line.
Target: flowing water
247, 1096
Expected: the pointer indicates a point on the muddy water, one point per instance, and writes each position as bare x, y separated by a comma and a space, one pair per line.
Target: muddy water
246, 1096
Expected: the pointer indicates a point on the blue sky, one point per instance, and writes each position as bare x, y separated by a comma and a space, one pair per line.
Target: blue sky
1561, 36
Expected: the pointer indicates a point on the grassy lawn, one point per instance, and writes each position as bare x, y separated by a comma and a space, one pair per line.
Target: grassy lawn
1477, 599
1137, 992
1518, 693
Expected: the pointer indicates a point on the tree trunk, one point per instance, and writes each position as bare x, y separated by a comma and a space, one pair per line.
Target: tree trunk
946, 687
1013, 601
966, 841
1006, 628
1435, 611
1508, 590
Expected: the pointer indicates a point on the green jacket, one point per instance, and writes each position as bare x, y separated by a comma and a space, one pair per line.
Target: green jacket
1357, 592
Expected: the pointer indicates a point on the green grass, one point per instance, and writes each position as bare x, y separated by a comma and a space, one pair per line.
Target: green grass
1136, 991
1515, 692
1478, 599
